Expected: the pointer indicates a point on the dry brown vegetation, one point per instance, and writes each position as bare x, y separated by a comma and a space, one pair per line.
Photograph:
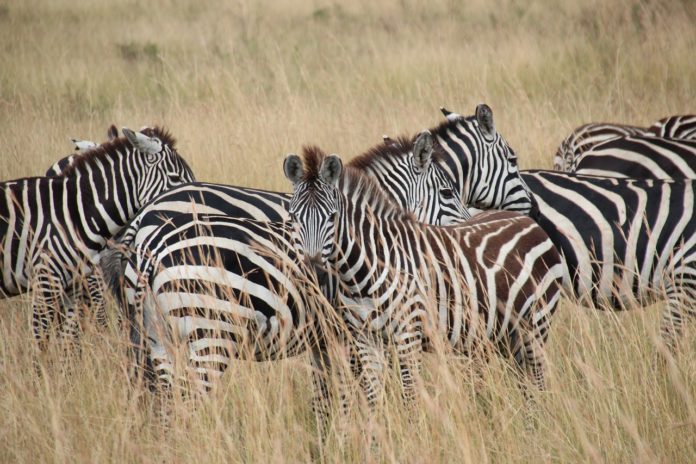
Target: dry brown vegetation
242, 83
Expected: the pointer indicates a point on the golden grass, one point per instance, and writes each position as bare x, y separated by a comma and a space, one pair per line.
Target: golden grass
243, 83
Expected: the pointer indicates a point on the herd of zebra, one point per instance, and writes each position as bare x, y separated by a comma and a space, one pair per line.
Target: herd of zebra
382, 249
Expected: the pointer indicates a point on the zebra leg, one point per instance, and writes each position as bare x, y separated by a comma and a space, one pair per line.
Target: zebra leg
370, 365
518, 349
409, 349
48, 292
145, 340
69, 328
321, 401
679, 295
534, 359
324, 373
96, 289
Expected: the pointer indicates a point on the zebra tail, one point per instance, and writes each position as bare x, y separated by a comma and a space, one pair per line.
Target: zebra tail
112, 263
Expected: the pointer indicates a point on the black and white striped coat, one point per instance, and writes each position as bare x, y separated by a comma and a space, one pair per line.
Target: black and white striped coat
640, 158
495, 278
88, 295
589, 136
624, 242
414, 179
210, 281
52, 228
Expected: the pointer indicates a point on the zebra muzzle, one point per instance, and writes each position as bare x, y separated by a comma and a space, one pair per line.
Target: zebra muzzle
319, 268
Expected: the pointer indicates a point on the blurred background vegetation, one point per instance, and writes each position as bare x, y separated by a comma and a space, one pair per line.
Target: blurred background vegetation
241, 84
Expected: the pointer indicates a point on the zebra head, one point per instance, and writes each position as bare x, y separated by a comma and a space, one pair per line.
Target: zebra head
160, 166
315, 205
431, 193
482, 163
411, 171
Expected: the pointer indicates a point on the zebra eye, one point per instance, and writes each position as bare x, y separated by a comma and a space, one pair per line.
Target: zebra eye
447, 193
513, 160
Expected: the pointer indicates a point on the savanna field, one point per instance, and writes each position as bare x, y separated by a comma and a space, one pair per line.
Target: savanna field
242, 83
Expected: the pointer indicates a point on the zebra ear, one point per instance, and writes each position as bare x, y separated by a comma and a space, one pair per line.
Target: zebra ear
484, 117
292, 166
423, 151
143, 143
331, 170
112, 133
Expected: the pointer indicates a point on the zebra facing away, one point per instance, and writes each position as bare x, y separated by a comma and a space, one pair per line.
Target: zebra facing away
640, 158
496, 277
229, 288
587, 136
52, 228
624, 242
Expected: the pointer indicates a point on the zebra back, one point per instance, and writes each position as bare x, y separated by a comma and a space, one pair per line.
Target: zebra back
640, 158
675, 127
585, 137
589, 136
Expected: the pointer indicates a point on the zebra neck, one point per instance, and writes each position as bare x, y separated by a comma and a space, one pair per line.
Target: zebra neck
389, 173
371, 251
103, 196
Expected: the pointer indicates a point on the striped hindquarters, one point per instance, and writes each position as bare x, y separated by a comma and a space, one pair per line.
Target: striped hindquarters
226, 289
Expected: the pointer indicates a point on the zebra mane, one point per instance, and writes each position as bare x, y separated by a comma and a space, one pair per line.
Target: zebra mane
447, 124
114, 146
361, 189
397, 147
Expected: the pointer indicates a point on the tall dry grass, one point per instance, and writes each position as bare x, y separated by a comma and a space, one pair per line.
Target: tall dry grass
241, 83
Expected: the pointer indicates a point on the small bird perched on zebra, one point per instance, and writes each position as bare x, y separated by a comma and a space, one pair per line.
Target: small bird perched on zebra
624, 242
496, 278
81, 147
52, 228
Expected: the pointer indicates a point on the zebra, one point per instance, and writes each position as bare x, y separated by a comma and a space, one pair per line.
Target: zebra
91, 293
52, 228
81, 146
675, 127
640, 157
233, 287
408, 168
624, 242
496, 277
588, 136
